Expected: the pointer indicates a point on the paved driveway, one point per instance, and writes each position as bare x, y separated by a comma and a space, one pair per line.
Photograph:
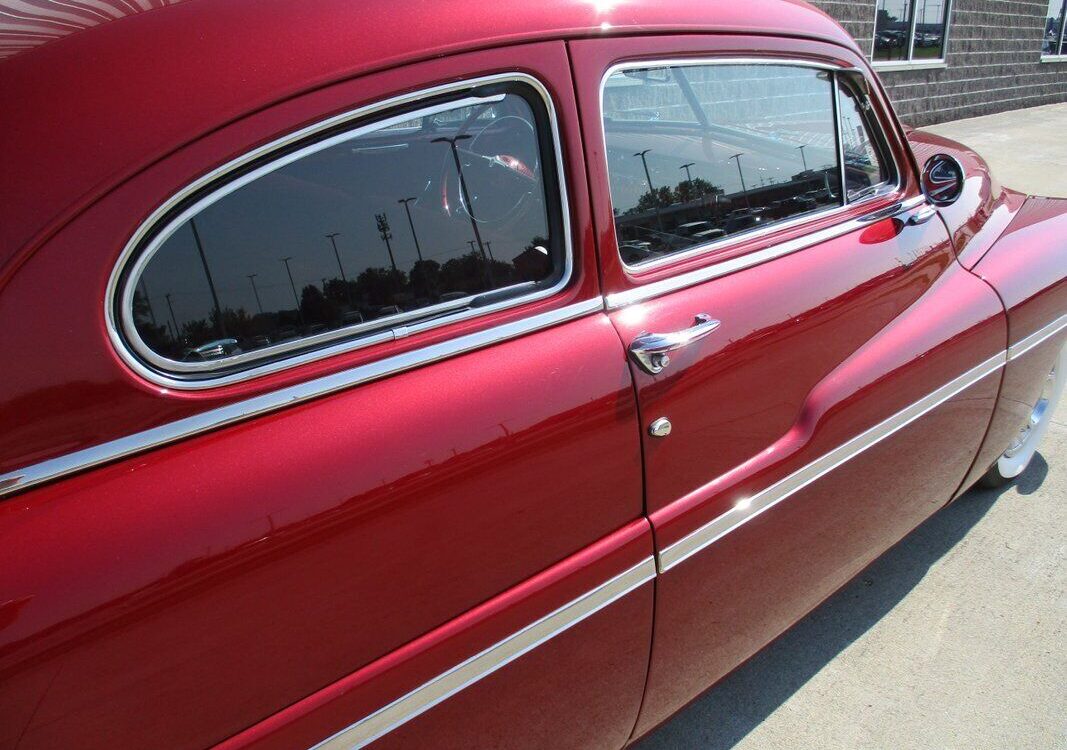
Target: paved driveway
957, 637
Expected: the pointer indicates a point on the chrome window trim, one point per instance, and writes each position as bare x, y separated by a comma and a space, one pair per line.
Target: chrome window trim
741, 262
180, 375
732, 240
481, 665
1021, 347
239, 411
742, 513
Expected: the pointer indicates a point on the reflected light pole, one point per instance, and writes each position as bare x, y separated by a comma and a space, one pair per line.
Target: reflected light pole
644, 163
688, 177
210, 281
172, 318
252, 278
332, 237
465, 192
292, 283
744, 190
414, 236
803, 158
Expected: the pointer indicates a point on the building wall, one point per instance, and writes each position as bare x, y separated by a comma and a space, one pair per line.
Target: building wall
993, 61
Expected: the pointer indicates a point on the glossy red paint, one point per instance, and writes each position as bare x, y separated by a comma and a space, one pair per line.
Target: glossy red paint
273, 558
51, 406
984, 210
600, 664
284, 577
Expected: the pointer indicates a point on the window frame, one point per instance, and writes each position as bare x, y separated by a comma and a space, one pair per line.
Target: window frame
151, 234
1059, 55
735, 240
910, 63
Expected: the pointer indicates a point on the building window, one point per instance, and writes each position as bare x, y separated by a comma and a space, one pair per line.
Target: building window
424, 214
910, 30
1054, 42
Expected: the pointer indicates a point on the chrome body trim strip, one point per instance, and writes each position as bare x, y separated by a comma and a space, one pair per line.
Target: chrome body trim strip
268, 402
479, 666
706, 247
180, 375
751, 507
1022, 347
715, 270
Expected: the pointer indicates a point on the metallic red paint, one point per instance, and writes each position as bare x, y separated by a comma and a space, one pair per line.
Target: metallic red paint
281, 578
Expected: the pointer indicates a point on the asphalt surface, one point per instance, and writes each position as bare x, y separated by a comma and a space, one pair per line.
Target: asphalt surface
955, 638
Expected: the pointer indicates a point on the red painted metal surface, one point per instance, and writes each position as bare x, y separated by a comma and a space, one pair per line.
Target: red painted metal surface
580, 689
282, 578
52, 405
232, 575
814, 348
984, 210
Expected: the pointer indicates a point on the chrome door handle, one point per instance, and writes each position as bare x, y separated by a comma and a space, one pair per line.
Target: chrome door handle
922, 215
650, 350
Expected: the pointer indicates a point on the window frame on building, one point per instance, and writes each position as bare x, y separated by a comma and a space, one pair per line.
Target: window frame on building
1060, 55
910, 63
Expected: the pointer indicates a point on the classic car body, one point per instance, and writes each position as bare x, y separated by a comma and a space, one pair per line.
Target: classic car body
458, 530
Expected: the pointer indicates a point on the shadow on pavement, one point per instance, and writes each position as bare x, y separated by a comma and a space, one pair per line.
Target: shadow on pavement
724, 715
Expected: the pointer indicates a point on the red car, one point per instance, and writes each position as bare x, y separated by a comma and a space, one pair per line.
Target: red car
367, 379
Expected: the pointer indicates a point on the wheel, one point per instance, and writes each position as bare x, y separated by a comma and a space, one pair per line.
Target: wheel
1015, 459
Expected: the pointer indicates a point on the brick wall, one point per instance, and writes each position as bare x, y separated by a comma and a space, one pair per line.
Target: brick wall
993, 61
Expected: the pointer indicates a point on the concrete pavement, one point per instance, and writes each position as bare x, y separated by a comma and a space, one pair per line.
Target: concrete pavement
957, 637
1025, 148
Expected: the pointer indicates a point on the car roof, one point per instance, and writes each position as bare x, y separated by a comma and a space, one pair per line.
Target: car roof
95, 92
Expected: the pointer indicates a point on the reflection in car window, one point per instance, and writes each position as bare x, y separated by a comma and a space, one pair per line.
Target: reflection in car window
701, 152
864, 168
421, 217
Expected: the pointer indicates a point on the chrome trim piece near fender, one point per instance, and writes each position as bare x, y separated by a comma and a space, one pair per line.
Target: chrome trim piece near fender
444, 686
183, 375
751, 507
715, 270
1022, 347
241, 410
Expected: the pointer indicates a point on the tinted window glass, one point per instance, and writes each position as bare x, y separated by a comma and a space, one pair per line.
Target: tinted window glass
418, 216
864, 166
892, 30
697, 153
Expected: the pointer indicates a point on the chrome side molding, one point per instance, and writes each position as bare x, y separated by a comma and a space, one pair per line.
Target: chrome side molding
444, 686
1038, 337
715, 270
239, 411
751, 507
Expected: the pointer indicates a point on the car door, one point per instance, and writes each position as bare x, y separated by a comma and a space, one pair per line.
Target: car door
814, 369
354, 456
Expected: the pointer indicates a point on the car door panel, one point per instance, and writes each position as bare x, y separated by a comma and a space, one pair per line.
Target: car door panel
837, 405
579, 677
734, 584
